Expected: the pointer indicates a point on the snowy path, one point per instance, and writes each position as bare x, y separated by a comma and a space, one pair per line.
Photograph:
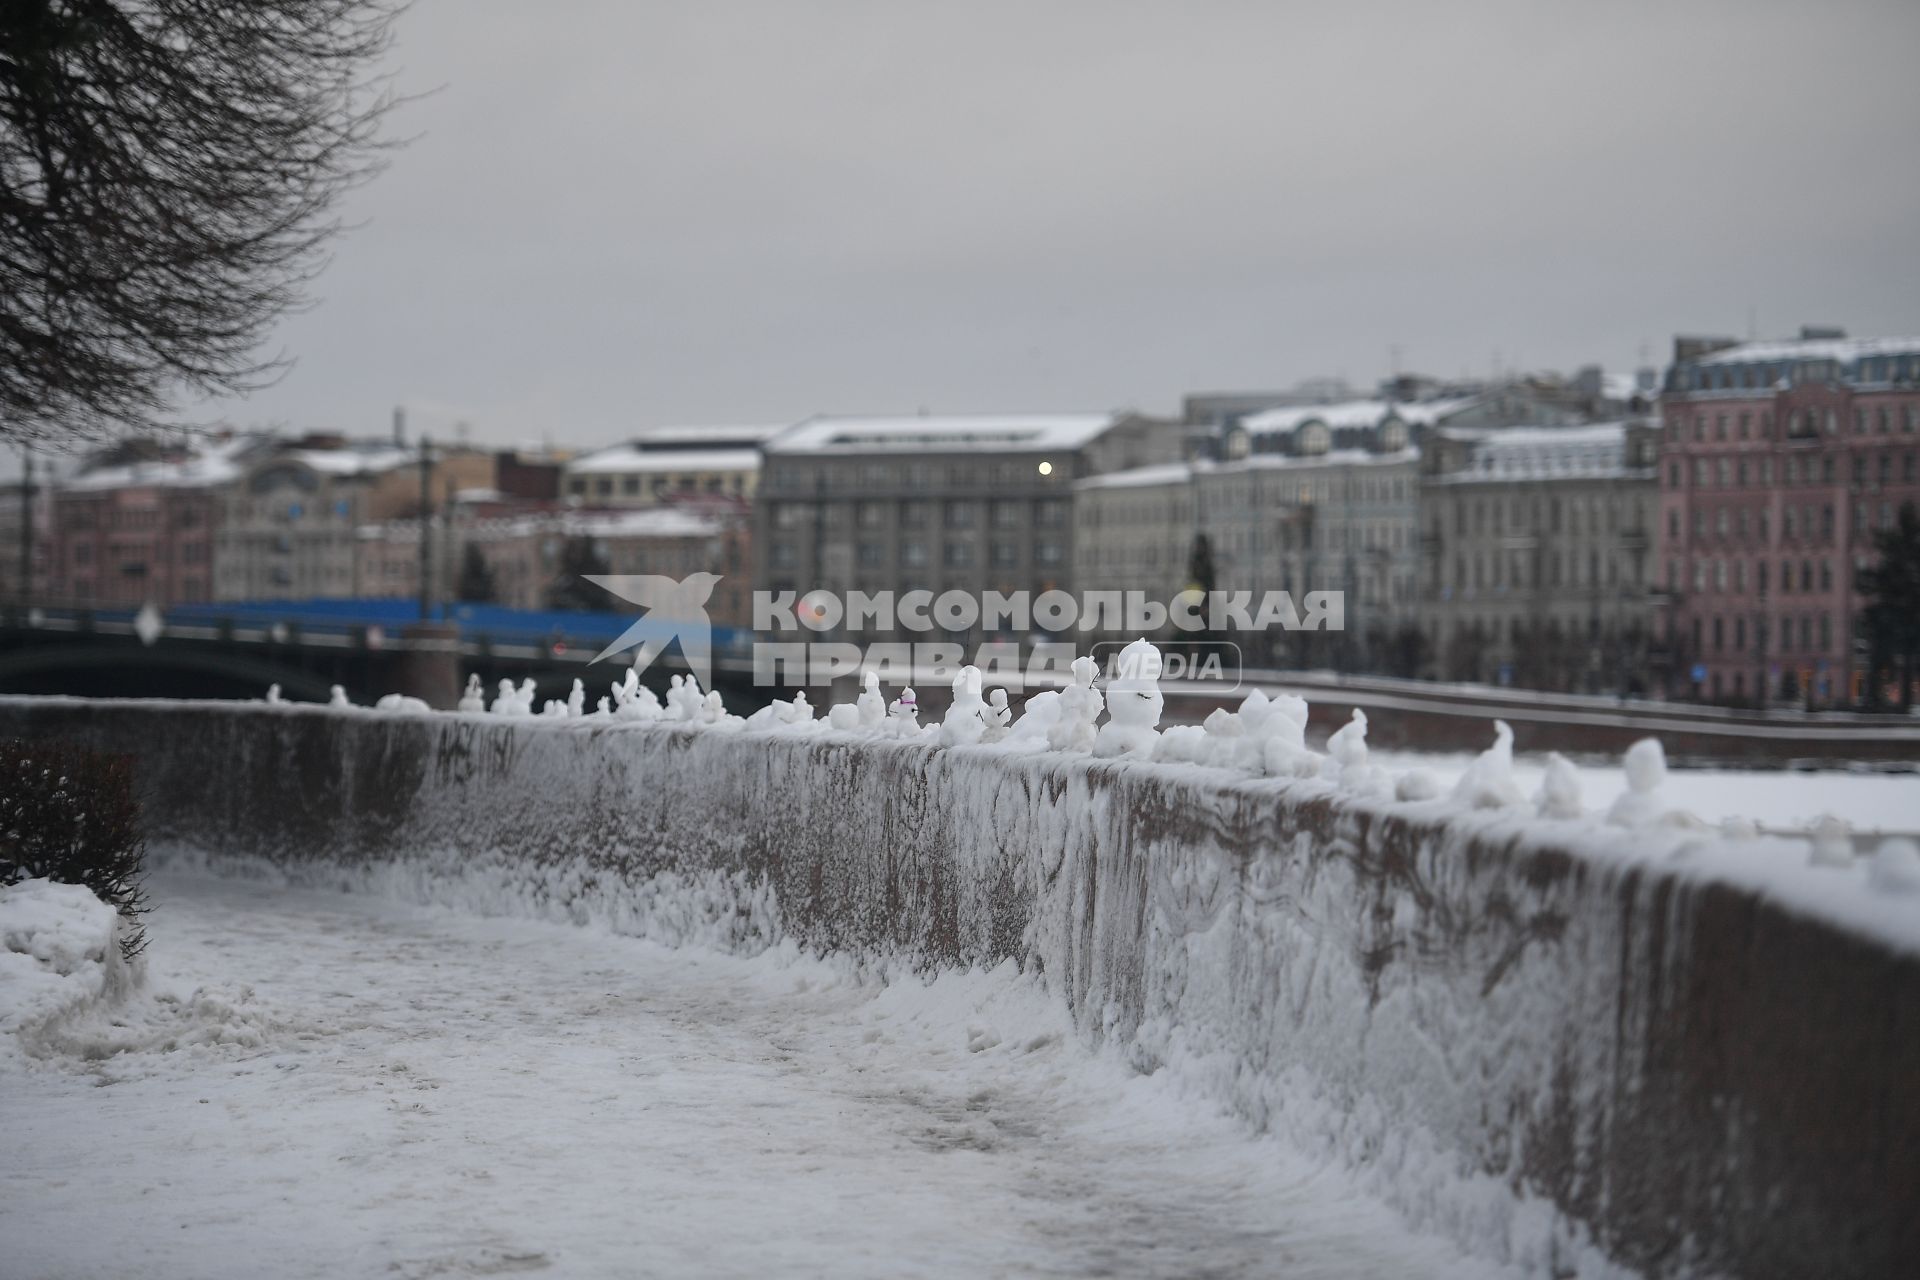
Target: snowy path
406, 1092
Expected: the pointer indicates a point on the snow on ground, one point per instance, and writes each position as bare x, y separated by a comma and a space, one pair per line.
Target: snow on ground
1777, 800
317, 1084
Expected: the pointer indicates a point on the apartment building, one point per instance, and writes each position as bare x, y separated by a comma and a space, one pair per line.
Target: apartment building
290, 522
1538, 554
1780, 462
968, 503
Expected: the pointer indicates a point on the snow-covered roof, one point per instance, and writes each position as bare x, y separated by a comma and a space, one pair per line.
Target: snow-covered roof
1179, 472
350, 461
1331, 458
206, 463
625, 458
1356, 413
1141, 477
1588, 451
646, 522
1002, 433
1842, 349
754, 433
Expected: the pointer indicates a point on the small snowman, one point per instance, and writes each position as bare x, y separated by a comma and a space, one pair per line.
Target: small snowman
1080, 705
799, 711
507, 702
577, 700
1134, 704
273, 695
1832, 842
998, 716
1559, 790
964, 723
1346, 760
473, 698
1646, 769
903, 718
1488, 782
337, 697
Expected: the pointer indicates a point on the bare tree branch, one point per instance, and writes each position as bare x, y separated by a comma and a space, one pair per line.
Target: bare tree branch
168, 175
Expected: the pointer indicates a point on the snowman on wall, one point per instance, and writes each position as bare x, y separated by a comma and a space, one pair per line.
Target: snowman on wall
1134, 704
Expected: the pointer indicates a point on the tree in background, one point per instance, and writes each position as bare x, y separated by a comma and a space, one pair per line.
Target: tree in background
580, 558
476, 578
168, 171
1891, 621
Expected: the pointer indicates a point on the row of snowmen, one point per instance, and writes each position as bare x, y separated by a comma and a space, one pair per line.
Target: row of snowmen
1264, 736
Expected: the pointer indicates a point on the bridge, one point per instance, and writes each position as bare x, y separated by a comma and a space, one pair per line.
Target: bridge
369, 647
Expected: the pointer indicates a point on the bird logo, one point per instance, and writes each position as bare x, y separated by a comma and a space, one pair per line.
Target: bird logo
675, 610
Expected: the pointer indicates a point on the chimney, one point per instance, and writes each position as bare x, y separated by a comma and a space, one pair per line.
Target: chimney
1821, 332
400, 426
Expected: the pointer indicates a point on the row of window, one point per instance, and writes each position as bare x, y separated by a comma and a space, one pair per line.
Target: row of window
1765, 374
1795, 470
1715, 574
913, 475
1787, 634
954, 514
1499, 572
913, 553
659, 486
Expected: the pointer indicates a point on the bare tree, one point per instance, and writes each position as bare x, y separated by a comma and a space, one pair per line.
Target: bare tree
168, 175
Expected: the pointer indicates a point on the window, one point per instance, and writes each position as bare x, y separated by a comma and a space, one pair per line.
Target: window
959, 555
1006, 515
1006, 555
913, 554
1048, 553
960, 515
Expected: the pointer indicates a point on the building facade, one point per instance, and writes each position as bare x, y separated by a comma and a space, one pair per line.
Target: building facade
972, 504
139, 522
1538, 554
1780, 462
290, 521
670, 464
1324, 519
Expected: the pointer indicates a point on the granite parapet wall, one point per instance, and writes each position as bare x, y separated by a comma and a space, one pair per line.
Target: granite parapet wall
1680, 1076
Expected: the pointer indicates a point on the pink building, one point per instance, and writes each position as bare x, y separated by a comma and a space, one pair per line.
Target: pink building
129, 532
1779, 461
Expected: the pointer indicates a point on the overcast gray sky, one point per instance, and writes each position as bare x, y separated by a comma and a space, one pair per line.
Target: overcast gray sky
620, 213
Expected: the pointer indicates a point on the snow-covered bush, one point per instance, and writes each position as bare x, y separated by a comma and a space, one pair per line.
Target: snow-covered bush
71, 815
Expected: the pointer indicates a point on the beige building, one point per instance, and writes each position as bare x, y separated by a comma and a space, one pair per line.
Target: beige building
291, 520
1538, 554
670, 464
1323, 519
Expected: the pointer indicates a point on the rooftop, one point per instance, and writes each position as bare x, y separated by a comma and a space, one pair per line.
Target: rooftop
1003, 433
625, 458
1841, 349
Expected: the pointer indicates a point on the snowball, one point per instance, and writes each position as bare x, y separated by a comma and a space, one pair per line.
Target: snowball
1417, 784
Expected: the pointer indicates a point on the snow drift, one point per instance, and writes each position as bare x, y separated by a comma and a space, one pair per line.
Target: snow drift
1528, 1032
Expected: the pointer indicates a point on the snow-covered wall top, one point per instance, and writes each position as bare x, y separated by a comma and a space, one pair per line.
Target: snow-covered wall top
1677, 1064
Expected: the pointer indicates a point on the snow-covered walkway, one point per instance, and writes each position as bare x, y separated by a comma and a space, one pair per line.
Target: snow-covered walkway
342, 1086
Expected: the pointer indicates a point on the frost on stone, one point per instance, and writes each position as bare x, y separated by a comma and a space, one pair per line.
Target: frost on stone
1559, 789
965, 722
1735, 827
1832, 842
1134, 704
1080, 704
1895, 867
474, 697
1646, 768
1488, 782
